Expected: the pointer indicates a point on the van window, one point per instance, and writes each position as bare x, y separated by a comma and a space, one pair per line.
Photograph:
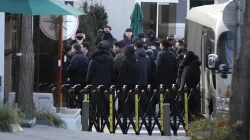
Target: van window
225, 48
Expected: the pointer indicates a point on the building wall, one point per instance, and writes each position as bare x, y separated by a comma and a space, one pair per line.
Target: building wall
8, 59
181, 11
118, 11
176, 24
2, 28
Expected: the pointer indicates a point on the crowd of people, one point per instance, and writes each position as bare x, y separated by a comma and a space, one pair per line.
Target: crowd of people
140, 60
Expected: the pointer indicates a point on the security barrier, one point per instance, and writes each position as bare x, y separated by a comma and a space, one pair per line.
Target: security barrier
136, 107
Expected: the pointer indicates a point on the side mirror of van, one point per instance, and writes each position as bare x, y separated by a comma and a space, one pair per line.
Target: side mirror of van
212, 61
223, 69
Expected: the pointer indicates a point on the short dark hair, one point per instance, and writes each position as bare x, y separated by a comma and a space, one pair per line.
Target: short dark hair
118, 44
165, 43
139, 44
157, 43
79, 30
77, 46
128, 30
104, 45
86, 45
141, 35
67, 48
129, 51
150, 32
107, 26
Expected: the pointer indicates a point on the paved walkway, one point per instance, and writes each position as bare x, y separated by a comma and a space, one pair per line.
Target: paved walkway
49, 133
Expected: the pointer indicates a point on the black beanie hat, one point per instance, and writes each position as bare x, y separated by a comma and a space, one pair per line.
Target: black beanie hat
79, 30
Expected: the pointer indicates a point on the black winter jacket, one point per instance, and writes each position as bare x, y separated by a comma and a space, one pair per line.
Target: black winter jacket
100, 69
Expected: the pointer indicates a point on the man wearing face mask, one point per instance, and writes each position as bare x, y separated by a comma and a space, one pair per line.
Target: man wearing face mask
105, 35
152, 39
140, 36
79, 38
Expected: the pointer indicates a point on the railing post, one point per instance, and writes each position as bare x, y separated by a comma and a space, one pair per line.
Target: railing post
85, 93
137, 110
124, 110
111, 110
99, 101
161, 108
152, 110
186, 107
174, 109
85, 116
167, 126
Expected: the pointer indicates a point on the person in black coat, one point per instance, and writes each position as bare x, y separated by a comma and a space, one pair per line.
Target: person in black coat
66, 64
127, 37
100, 73
119, 50
101, 67
140, 36
191, 77
152, 39
105, 35
78, 66
79, 38
166, 66
151, 77
179, 58
128, 75
85, 49
190, 71
144, 65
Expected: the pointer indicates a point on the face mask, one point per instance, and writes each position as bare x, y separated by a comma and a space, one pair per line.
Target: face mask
79, 37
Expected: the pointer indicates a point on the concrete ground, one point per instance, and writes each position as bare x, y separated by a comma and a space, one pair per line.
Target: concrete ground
40, 132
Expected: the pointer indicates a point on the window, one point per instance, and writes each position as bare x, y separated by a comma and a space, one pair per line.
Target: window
164, 13
209, 46
225, 48
168, 13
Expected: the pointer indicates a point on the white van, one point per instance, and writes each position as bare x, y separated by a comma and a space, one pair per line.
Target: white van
209, 33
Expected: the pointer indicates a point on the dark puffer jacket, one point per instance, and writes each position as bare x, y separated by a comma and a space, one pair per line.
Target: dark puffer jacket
190, 74
78, 69
144, 66
166, 68
100, 69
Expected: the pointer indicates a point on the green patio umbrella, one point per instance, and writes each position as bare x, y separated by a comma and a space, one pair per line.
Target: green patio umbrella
136, 19
37, 7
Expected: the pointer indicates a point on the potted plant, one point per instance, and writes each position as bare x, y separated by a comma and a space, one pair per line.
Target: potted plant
10, 117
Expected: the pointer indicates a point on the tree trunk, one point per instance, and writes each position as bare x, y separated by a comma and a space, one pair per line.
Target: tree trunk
26, 68
240, 99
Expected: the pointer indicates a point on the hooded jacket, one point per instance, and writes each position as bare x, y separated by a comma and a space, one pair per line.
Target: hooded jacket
100, 69
144, 66
166, 68
190, 74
